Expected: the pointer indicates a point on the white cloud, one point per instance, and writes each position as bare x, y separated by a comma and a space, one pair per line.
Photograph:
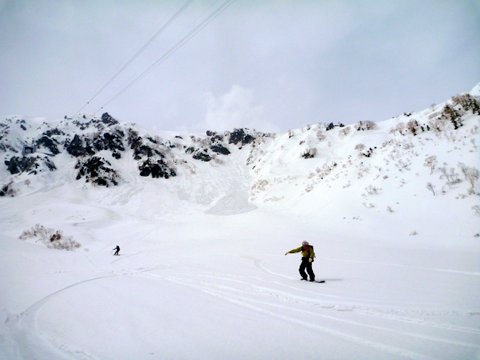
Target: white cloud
236, 109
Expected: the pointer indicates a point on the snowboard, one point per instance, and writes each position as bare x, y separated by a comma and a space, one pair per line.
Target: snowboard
317, 281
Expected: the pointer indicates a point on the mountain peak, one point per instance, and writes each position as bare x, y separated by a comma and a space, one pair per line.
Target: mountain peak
476, 90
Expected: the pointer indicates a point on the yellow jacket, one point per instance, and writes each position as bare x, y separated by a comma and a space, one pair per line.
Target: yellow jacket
307, 251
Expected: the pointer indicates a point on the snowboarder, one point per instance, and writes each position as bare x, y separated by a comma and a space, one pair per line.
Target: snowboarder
308, 255
117, 250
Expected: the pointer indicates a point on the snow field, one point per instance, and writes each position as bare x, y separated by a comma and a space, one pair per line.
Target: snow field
220, 286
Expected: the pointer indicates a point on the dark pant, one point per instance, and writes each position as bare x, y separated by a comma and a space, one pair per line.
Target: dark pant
308, 266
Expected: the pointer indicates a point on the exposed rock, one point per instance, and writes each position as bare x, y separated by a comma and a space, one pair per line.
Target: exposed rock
220, 149
7, 190
145, 150
48, 143
310, 153
214, 137
30, 164
110, 141
157, 169
18, 164
98, 171
108, 120
202, 155
239, 136
77, 148
52, 132
140, 150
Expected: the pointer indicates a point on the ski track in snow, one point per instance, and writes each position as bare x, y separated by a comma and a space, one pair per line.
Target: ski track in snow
278, 299
452, 271
24, 326
245, 299
232, 292
372, 309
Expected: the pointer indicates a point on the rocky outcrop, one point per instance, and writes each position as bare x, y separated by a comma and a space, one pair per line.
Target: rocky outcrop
48, 143
202, 155
112, 141
140, 149
108, 120
98, 171
8, 190
30, 164
79, 146
97, 143
156, 169
220, 149
239, 136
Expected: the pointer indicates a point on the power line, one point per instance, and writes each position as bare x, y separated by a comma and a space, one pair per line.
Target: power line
139, 51
173, 49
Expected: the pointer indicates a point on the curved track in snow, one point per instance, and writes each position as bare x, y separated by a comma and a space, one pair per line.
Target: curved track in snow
27, 339
388, 331
281, 300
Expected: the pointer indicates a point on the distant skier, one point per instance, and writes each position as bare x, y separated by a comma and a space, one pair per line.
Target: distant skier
117, 250
308, 255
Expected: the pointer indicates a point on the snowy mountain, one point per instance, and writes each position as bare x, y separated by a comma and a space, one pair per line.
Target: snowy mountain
392, 209
416, 159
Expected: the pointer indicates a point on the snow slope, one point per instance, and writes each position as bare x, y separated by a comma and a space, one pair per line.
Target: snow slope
391, 209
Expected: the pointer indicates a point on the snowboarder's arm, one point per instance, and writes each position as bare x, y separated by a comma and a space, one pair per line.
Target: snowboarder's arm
294, 250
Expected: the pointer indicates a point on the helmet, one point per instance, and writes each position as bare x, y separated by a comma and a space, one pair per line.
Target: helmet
305, 243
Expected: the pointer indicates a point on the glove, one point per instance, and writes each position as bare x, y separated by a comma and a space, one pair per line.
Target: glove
310, 260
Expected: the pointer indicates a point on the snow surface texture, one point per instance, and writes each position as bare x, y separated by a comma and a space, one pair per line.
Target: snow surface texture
392, 209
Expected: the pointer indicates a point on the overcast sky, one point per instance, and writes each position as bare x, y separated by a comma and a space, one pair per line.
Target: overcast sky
270, 65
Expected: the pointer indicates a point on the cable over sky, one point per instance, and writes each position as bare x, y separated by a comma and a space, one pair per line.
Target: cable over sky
137, 54
196, 29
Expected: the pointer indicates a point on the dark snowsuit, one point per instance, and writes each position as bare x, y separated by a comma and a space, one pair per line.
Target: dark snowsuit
307, 259
117, 250
306, 264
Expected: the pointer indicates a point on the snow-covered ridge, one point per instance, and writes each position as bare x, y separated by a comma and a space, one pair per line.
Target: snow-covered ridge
97, 147
102, 152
